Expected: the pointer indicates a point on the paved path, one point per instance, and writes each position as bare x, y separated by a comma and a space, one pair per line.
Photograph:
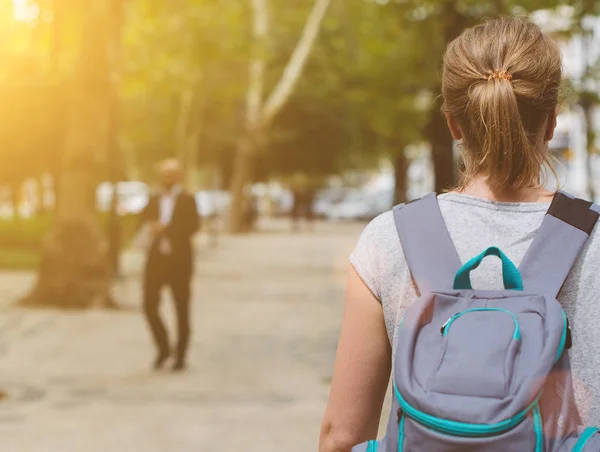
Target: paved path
266, 316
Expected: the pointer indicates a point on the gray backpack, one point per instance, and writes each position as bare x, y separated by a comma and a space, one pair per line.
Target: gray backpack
484, 370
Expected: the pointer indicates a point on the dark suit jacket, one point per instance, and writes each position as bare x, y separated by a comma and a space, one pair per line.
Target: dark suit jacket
184, 223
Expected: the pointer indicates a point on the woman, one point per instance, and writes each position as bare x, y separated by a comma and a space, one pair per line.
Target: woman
500, 87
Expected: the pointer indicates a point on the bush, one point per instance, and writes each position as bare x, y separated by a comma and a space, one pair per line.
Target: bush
15, 259
24, 233
21, 240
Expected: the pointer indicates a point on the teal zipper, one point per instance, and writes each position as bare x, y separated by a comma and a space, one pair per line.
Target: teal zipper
373, 446
538, 427
584, 438
563, 339
516, 333
461, 428
401, 434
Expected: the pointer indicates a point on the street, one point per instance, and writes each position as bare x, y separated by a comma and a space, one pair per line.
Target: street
266, 314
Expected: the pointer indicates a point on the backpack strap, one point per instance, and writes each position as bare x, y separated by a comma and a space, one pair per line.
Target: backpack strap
557, 244
431, 256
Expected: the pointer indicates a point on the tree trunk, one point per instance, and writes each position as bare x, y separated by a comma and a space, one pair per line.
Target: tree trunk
258, 114
587, 100
442, 156
188, 133
184, 119
75, 271
436, 131
590, 147
192, 144
401, 176
295, 66
242, 173
15, 193
242, 176
114, 229
56, 178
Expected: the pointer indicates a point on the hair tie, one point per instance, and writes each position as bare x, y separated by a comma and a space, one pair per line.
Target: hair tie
498, 75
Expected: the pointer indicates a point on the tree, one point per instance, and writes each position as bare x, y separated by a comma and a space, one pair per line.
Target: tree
585, 13
359, 100
260, 113
74, 271
114, 161
182, 83
30, 109
374, 73
438, 22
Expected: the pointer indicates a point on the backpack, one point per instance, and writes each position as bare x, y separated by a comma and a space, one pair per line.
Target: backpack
486, 370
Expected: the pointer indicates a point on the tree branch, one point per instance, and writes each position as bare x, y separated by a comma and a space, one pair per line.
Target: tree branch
295, 65
260, 29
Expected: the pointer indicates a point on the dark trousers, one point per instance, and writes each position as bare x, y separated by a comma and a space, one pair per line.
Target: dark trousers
168, 271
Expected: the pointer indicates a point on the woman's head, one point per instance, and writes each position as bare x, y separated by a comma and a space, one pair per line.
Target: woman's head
500, 85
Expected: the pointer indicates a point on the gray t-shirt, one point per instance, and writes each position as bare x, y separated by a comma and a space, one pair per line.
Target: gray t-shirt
474, 225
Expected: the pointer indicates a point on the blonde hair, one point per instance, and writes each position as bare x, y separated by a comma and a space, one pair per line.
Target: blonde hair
501, 82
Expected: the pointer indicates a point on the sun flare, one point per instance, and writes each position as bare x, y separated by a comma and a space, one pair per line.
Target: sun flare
25, 10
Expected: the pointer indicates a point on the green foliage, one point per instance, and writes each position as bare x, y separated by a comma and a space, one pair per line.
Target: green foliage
24, 233
369, 88
357, 99
19, 259
194, 45
371, 84
21, 240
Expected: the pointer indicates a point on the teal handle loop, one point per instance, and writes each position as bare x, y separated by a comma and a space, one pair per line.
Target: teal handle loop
510, 273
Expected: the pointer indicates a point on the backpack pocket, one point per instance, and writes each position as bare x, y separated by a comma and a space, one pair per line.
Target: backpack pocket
417, 437
371, 446
362, 447
477, 354
587, 440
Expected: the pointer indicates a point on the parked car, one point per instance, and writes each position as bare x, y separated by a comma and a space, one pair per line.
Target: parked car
212, 202
132, 197
326, 200
361, 204
282, 203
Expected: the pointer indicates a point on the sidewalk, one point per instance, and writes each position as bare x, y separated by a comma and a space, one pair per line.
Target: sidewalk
266, 315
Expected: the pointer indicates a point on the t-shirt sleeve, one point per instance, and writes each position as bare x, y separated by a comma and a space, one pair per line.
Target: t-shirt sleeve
366, 257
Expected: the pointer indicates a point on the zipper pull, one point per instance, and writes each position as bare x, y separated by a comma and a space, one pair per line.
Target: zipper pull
445, 325
399, 413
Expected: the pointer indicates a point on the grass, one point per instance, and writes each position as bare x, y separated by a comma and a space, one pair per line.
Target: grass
21, 239
19, 259
24, 233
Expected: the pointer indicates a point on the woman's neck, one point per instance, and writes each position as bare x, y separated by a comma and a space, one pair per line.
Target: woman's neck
480, 188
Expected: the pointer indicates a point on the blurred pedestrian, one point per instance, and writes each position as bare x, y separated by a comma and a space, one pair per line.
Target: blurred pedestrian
114, 229
303, 194
172, 218
309, 203
249, 213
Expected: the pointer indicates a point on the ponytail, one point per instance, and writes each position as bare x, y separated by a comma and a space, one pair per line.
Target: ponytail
505, 151
502, 113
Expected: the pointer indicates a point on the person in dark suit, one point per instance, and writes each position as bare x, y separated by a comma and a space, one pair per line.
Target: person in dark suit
173, 219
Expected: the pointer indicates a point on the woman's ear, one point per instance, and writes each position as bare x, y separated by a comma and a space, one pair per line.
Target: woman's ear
454, 127
551, 125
